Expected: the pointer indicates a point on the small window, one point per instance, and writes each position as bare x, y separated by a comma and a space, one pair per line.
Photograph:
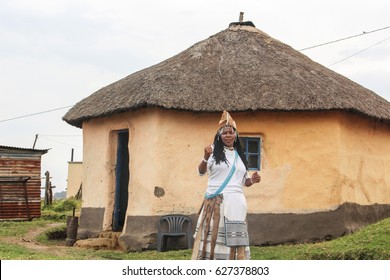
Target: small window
251, 147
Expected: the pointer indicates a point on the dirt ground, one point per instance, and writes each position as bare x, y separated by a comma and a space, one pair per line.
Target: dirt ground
29, 240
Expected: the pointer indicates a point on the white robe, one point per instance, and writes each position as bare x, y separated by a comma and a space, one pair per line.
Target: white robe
233, 206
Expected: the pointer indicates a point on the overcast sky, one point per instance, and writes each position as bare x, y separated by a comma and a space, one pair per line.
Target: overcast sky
54, 53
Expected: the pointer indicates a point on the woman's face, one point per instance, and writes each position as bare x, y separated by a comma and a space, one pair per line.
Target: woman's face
228, 135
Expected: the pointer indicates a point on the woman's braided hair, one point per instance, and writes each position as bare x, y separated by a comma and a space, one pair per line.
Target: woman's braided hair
219, 150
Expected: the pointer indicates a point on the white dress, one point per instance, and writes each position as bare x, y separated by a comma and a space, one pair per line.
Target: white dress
233, 206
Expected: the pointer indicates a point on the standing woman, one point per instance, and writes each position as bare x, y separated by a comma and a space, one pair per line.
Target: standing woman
221, 231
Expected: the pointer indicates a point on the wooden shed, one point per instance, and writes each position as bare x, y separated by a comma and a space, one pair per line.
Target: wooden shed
20, 183
321, 142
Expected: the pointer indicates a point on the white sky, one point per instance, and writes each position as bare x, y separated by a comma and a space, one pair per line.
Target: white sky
53, 53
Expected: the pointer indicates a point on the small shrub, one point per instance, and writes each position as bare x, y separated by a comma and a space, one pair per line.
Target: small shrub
64, 205
59, 209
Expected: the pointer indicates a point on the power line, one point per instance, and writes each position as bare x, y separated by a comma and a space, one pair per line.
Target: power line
34, 114
359, 52
63, 135
59, 142
346, 38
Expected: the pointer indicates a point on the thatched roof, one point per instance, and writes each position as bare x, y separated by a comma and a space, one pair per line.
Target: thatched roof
238, 69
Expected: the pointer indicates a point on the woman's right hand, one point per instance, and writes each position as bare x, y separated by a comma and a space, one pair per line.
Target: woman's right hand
208, 151
202, 168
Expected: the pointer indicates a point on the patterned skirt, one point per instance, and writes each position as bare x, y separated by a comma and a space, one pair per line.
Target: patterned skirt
210, 240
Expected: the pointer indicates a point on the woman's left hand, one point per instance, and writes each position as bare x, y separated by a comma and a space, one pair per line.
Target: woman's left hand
255, 178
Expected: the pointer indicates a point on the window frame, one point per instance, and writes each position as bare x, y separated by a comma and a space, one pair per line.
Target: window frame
257, 139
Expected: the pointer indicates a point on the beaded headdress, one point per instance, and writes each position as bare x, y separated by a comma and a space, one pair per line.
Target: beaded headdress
227, 120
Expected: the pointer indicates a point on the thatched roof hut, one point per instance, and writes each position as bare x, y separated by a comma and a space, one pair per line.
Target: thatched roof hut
314, 157
238, 69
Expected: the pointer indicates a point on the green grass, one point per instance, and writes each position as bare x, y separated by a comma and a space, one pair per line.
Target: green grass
20, 228
60, 209
369, 243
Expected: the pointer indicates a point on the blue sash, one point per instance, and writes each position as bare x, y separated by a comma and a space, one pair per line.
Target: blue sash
224, 184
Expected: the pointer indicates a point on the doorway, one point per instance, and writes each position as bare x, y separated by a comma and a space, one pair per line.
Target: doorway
121, 181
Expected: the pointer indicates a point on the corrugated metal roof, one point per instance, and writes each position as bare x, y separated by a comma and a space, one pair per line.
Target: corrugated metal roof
19, 149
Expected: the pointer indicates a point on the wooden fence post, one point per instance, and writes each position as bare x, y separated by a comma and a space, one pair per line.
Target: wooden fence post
47, 189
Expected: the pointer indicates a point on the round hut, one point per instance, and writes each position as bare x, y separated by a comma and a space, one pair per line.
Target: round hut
319, 140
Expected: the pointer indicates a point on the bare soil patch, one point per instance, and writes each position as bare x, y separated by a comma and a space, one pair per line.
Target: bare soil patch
29, 240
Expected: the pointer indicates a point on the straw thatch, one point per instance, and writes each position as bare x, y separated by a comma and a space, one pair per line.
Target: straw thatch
238, 69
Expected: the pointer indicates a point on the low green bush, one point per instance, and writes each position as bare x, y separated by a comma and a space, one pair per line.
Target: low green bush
60, 209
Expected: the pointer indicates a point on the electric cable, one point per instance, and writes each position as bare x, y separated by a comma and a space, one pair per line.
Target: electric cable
346, 38
34, 114
359, 52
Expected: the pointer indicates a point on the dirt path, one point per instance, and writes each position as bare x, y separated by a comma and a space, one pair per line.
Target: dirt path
29, 240
56, 249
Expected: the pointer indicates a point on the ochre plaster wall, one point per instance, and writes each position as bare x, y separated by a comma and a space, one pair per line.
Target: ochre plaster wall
308, 161
299, 162
75, 175
365, 161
